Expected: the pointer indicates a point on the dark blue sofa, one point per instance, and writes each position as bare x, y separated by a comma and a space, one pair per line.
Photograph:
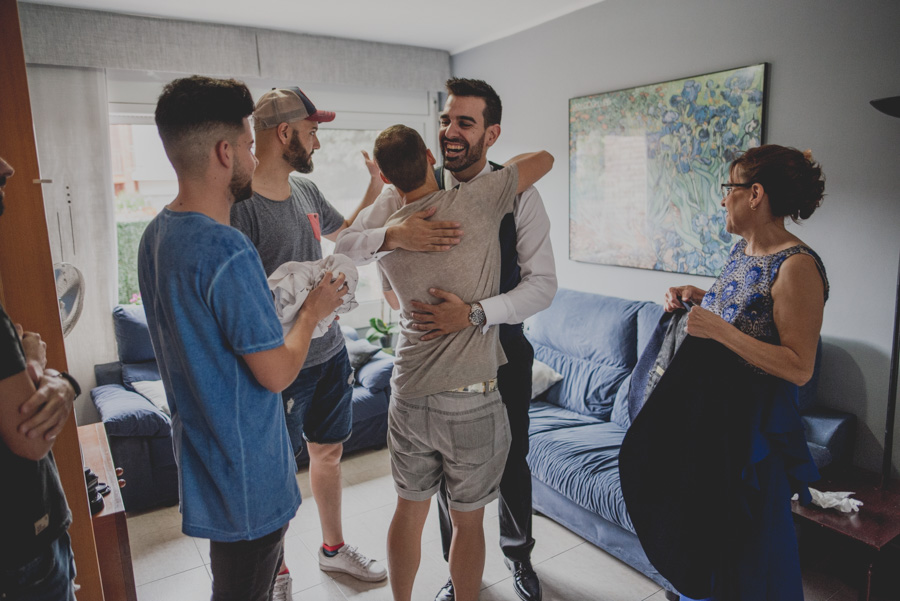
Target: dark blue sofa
140, 434
578, 425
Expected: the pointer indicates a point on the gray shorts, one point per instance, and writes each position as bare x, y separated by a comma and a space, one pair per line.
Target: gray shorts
460, 436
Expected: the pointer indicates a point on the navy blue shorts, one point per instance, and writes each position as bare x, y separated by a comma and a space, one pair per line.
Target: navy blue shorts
318, 405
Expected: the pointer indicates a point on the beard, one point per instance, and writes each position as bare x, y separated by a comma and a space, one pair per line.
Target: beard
465, 159
297, 157
241, 184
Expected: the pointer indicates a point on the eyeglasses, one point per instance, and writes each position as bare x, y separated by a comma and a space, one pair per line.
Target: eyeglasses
729, 188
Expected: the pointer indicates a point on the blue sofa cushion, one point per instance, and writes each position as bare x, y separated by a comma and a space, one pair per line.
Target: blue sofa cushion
587, 387
132, 334
592, 341
546, 417
126, 413
376, 374
580, 461
145, 371
368, 404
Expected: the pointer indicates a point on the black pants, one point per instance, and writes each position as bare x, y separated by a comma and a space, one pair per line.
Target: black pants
245, 570
514, 383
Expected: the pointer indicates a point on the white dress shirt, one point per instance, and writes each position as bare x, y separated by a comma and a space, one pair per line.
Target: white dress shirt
537, 267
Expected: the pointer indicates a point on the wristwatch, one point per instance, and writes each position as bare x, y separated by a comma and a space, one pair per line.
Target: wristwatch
68, 378
476, 314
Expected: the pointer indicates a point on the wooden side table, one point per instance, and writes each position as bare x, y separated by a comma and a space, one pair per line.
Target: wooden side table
875, 526
110, 528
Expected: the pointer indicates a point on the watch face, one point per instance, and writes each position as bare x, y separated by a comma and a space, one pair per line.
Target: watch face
476, 315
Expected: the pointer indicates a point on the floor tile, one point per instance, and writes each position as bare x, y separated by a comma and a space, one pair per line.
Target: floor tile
303, 565
368, 495
161, 553
202, 545
192, 585
307, 517
365, 466
327, 591
551, 539
155, 519
170, 565
586, 572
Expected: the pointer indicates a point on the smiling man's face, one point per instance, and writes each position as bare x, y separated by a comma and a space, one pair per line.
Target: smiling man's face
464, 137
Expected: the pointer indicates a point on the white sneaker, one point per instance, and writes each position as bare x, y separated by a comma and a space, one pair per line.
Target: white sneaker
350, 561
283, 587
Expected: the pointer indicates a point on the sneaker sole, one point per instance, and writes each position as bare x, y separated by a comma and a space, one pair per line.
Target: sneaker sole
354, 575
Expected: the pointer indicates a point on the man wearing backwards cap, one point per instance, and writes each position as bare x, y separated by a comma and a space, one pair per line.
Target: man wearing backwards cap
285, 219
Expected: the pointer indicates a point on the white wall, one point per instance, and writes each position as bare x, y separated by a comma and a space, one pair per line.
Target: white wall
73, 151
827, 60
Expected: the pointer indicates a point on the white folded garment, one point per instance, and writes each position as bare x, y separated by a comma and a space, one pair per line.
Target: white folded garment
836, 500
292, 282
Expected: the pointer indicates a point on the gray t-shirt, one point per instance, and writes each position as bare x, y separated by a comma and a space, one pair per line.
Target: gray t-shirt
471, 270
291, 230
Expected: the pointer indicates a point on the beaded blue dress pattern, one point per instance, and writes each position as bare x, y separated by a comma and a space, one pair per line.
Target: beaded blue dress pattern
742, 294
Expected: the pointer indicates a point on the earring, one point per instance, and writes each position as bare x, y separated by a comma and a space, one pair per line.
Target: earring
753, 207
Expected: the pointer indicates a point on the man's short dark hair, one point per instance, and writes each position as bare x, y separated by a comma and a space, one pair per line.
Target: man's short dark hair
401, 155
195, 112
493, 108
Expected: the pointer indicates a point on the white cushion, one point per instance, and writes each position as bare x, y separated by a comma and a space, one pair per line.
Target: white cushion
542, 378
154, 391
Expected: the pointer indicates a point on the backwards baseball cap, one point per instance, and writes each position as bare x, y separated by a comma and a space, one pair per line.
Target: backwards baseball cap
284, 105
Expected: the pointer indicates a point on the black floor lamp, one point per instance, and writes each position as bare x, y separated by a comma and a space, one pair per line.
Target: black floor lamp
891, 106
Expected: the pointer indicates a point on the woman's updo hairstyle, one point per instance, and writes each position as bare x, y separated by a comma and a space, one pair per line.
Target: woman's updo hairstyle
792, 179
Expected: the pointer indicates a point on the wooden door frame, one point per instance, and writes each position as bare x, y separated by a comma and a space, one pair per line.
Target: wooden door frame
27, 286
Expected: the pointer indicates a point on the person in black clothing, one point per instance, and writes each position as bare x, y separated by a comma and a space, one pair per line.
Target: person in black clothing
36, 561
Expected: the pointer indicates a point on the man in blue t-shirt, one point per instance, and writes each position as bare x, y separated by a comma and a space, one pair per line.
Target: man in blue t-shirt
221, 352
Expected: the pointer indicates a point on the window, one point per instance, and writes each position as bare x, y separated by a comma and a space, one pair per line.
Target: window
341, 175
144, 183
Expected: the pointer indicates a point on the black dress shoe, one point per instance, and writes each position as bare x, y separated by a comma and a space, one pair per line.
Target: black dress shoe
446, 593
525, 580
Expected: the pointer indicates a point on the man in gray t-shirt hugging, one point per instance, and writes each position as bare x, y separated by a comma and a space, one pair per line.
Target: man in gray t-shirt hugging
446, 419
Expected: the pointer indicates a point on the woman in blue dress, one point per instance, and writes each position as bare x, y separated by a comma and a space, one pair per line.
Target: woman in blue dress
767, 307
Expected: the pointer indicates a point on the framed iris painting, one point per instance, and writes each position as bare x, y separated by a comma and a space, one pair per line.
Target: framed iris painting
646, 165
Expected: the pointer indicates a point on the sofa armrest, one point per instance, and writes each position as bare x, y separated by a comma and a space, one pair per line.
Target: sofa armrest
833, 430
108, 373
126, 413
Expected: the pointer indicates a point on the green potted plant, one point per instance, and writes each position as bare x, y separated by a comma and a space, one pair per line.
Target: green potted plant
382, 333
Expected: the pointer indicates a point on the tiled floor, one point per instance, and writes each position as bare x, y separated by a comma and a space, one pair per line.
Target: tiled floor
169, 566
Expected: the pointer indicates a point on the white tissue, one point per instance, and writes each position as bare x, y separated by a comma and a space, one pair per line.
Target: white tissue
292, 282
836, 500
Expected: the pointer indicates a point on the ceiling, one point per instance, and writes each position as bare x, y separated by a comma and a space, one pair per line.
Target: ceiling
455, 27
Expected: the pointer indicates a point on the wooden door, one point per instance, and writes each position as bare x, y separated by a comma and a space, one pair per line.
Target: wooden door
27, 285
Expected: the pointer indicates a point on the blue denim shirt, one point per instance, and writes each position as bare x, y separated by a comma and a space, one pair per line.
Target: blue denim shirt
207, 304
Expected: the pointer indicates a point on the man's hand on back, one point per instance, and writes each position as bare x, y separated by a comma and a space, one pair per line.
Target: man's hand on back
418, 234
448, 316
